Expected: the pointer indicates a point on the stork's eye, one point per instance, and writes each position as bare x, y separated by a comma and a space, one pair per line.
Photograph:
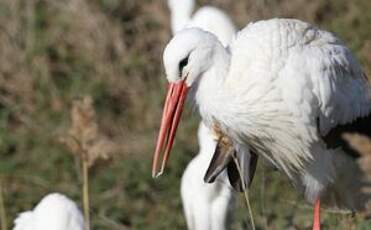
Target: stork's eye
183, 63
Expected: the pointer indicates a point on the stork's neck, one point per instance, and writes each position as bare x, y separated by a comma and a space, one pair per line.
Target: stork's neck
207, 147
181, 12
209, 93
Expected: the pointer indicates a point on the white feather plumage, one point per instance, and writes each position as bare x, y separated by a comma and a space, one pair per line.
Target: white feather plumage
54, 212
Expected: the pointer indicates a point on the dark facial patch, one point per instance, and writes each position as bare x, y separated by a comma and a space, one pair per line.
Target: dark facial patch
182, 64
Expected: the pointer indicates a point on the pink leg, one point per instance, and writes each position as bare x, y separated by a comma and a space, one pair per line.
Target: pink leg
316, 216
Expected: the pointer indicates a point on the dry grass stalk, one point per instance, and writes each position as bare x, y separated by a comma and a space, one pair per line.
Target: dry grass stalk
85, 142
245, 192
85, 195
3, 218
362, 144
225, 144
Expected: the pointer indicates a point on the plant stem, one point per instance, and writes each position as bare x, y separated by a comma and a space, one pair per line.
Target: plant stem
85, 194
245, 192
262, 200
2, 208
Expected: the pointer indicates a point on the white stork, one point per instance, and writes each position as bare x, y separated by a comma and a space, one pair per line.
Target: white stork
206, 206
287, 90
54, 212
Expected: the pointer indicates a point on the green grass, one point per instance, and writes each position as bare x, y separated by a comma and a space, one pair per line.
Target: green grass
111, 50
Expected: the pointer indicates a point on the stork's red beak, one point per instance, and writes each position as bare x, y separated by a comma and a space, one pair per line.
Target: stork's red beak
176, 95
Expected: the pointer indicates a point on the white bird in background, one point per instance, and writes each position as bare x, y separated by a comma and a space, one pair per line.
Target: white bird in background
54, 212
207, 18
287, 90
206, 206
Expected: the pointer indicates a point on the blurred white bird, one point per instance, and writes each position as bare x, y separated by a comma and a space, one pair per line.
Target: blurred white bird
206, 206
286, 89
54, 212
207, 18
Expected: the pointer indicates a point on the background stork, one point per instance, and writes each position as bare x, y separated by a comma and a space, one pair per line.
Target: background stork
54, 212
286, 89
206, 206
208, 18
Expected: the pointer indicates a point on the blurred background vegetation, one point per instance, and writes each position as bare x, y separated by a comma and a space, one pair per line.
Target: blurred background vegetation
55, 51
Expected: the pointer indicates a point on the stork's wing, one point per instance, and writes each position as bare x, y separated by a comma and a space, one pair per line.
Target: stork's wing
291, 84
292, 64
337, 136
223, 159
330, 90
247, 162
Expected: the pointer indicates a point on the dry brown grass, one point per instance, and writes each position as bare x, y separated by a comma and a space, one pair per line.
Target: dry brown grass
362, 144
84, 139
16, 85
53, 51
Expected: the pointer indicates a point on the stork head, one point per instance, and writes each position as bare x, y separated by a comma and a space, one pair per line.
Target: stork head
187, 56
